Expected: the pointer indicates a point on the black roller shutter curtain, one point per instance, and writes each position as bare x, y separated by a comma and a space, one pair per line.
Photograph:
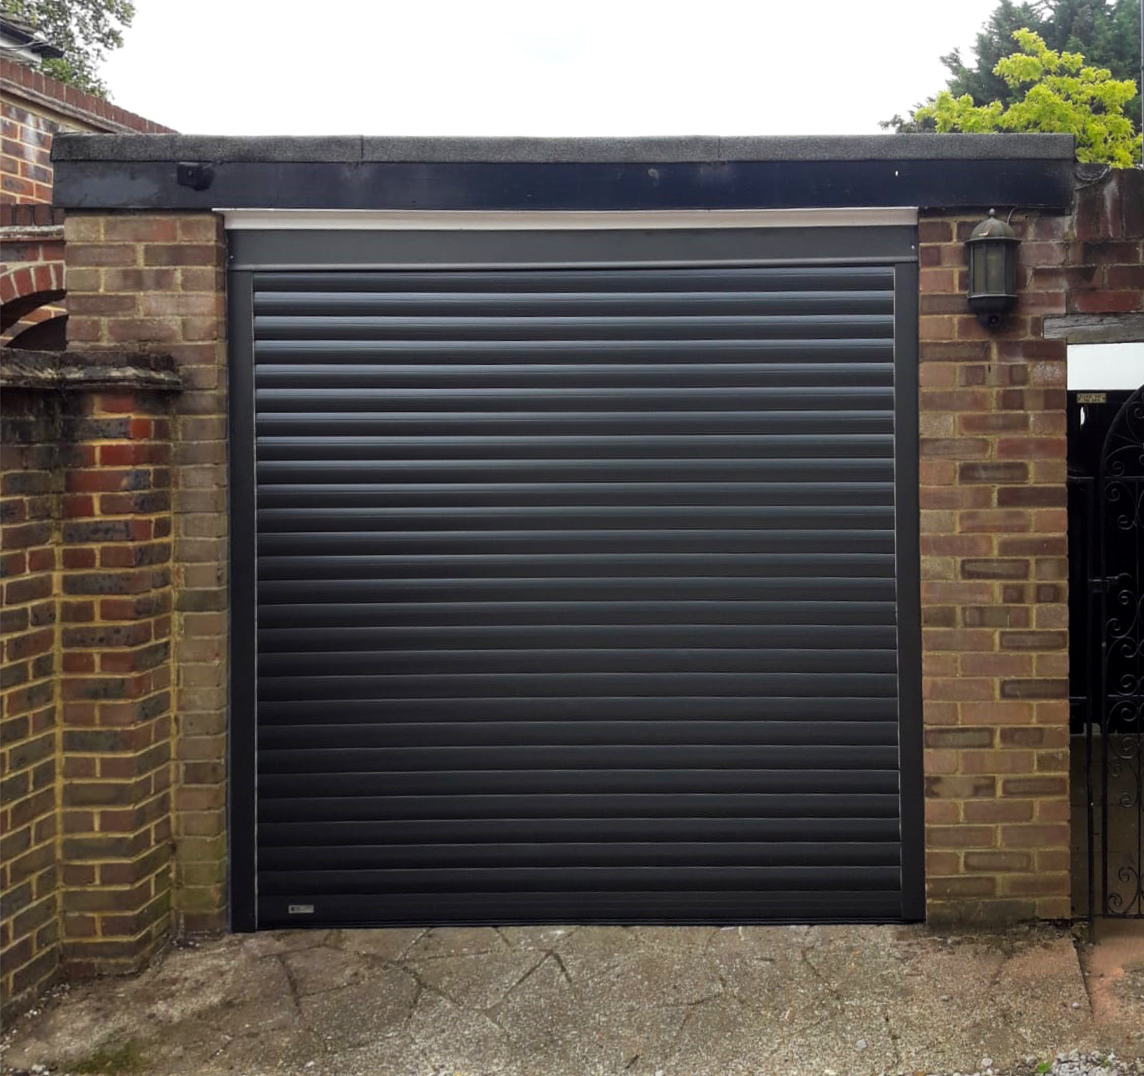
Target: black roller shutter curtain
576, 595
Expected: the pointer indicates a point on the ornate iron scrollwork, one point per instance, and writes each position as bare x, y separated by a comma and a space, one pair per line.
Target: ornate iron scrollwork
1120, 709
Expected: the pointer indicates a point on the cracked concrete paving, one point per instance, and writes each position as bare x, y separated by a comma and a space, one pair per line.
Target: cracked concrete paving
551, 1001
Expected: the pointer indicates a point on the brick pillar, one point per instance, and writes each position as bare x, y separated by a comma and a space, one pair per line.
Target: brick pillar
156, 280
115, 646
994, 587
28, 728
86, 622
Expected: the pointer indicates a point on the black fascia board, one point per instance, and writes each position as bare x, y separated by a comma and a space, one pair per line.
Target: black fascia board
177, 172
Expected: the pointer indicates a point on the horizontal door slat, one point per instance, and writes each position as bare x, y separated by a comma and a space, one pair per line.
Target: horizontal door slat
515, 757
713, 327
831, 446
811, 418
454, 566
602, 782
692, 278
509, 352
566, 375
460, 400
328, 804
665, 469
613, 303
619, 829
661, 660
710, 541
581, 494
524, 733
662, 709
552, 588
296, 640
574, 855
764, 519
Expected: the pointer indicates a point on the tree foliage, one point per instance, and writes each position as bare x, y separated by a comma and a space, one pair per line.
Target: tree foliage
1108, 35
1059, 92
86, 30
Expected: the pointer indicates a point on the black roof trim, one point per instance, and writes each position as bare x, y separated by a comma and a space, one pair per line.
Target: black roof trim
698, 149
193, 172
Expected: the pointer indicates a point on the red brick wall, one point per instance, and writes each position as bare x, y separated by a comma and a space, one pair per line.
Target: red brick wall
116, 717
995, 549
29, 721
25, 153
1101, 266
33, 106
32, 245
85, 752
156, 281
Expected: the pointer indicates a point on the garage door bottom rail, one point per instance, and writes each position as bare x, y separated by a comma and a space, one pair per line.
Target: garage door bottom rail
509, 909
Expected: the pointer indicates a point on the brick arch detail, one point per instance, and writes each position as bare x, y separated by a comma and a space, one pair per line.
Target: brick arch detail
46, 332
25, 287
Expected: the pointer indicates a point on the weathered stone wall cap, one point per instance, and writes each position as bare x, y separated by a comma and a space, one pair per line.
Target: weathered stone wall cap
87, 371
351, 149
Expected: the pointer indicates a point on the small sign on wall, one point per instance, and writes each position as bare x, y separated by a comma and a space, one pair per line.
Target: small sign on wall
1110, 367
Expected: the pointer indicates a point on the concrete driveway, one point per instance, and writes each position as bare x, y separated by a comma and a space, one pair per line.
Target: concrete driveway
550, 1001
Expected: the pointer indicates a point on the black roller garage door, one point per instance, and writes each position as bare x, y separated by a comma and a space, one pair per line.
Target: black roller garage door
577, 593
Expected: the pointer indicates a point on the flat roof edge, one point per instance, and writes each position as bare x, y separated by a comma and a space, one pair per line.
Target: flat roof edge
691, 149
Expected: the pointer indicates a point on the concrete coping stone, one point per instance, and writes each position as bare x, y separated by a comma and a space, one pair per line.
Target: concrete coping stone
87, 371
697, 149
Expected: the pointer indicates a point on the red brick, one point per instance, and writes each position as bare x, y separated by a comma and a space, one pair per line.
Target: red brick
996, 762
990, 812
960, 888
1125, 277
995, 665
994, 521
1028, 448
998, 862
960, 836
995, 568
1034, 640
101, 254
993, 473
1035, 836
132, 228
994, 616
993, 422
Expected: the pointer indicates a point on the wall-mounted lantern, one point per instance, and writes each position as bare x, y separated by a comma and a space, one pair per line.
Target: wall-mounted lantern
992, 271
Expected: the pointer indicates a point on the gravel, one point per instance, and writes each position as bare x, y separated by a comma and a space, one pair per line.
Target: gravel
1075, 1063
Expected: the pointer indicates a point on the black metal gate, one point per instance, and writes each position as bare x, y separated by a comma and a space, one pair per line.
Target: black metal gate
1109, 660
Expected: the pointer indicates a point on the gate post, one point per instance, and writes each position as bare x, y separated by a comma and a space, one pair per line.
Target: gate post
994, 587
155, 281
115, 649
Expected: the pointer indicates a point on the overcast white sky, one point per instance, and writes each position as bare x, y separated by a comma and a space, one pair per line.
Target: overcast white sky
503, 67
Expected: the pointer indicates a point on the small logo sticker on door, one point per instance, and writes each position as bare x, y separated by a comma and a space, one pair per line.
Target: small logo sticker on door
300, 909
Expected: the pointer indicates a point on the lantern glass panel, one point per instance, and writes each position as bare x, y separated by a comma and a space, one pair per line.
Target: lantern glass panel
995, 257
